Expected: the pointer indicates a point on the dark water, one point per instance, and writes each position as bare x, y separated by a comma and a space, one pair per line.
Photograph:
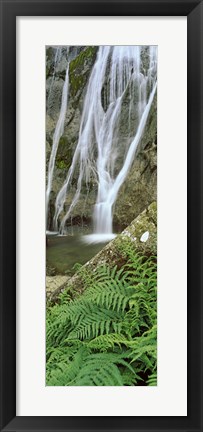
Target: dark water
63, 253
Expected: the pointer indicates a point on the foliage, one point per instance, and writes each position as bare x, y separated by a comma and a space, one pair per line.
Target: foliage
107, 336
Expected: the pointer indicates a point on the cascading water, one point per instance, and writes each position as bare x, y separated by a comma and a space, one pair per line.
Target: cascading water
116, 74
56, 137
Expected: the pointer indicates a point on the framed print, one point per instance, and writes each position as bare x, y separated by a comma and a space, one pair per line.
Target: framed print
101, 126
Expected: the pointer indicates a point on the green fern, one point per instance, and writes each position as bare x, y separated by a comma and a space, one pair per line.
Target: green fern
107, 336
152, 380
108, 341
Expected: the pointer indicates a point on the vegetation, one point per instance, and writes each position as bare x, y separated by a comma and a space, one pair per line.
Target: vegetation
78, 78
107, 336
64, 155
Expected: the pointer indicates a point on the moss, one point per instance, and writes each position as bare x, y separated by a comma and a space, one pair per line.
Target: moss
152, 212
61, 164
88, 53
146, 221
77, 82
78, 77
64, 154
63, 141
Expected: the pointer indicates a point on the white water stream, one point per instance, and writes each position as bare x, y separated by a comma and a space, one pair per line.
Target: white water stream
56, 137
115, 74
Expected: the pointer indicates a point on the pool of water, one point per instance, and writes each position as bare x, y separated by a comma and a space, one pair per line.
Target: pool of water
62, 253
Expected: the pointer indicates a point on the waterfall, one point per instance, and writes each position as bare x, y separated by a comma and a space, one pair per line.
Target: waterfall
56, 137
117, 73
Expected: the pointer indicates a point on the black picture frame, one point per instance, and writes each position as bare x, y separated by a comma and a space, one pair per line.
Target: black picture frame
193, 9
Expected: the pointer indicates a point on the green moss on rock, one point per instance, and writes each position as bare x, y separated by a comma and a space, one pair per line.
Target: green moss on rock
64, 154
79, 71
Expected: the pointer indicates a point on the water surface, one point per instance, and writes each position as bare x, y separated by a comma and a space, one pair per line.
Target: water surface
63, 253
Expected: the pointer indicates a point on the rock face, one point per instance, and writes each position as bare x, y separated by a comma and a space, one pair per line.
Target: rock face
55, 283
142, 235
81, 62
140, 187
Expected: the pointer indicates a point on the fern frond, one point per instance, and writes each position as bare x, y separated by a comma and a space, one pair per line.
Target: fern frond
96, 322
104, 342
96, 373
144, 349
152, 380
67, 369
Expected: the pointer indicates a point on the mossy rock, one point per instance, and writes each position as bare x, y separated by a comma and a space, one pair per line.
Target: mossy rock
80, 69
64, 154
145, 223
